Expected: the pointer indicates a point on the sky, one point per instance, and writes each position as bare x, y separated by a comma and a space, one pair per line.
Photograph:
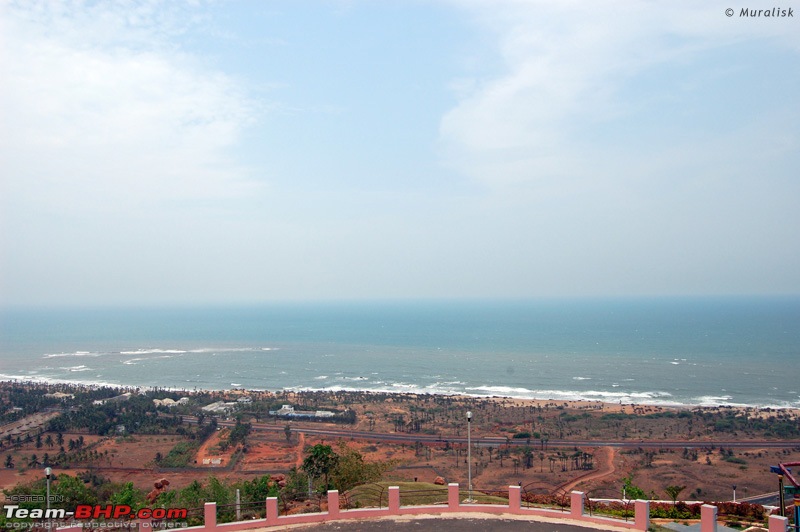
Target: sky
251, 151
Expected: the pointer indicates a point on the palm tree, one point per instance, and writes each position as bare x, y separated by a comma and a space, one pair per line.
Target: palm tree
673, 492
528, 455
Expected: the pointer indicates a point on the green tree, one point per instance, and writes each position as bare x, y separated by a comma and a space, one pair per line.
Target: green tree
257, 490
128, 495
321, 460
192, 496
239, 432
73, 490
673, 492
527, 454
351, 469
631, 491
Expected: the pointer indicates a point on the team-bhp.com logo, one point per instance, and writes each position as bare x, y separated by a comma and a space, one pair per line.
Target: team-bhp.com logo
95, 511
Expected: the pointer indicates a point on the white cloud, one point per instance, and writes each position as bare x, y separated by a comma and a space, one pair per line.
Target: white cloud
565, 67
101, 110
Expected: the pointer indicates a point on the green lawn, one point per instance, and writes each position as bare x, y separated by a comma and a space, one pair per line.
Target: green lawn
411, 494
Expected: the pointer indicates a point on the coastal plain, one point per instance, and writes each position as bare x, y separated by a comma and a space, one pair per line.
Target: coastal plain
548, 447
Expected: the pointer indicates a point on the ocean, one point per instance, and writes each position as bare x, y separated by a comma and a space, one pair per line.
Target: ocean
668, 351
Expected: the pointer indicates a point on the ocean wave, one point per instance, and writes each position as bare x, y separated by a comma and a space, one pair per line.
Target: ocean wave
56, 380
227, 349
177, 351
75, 354
76, 368
651, 397
153, 352
715, 400
135, 361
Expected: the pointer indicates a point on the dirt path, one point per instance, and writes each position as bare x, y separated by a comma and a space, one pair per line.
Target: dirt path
605, 471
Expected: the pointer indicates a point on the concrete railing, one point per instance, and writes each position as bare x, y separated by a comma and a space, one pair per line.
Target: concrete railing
576, 514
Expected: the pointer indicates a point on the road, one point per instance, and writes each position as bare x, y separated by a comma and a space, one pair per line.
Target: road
401, 437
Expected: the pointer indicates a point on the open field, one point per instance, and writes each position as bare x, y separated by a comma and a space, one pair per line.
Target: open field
542, 445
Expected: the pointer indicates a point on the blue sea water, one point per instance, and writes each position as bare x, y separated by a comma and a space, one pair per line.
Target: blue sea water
688, 351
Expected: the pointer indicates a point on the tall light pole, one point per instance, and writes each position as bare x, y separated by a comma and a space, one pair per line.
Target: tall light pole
47, 474
469, 455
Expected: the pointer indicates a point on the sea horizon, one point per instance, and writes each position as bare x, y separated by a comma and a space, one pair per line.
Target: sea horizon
677, 351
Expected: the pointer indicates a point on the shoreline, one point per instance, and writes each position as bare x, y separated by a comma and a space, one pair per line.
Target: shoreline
577, 404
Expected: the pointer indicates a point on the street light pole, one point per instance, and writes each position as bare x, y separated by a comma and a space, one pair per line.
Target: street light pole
47, 473
469, 454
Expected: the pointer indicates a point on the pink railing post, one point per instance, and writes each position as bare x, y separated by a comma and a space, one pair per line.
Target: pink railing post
514, 499
641, 515
778, 523
210, 515
576, 504
708, 518
272, 511
333, 503
394, 500
452, 496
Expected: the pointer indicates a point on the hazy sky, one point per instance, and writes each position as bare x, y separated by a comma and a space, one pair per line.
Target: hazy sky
168, 152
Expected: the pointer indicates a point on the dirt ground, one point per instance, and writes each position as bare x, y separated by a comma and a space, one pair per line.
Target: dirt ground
708, 473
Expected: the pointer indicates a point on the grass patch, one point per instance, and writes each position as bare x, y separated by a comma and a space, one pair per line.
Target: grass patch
411, 494
181, 455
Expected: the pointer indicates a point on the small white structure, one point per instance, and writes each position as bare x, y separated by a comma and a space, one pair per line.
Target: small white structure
169, 403
60, 395
117, 399
219, 407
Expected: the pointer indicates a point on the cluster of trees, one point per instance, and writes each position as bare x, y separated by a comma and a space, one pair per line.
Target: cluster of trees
137, 415
18, 400
68, 491
78, 452
327, 468
323, 468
